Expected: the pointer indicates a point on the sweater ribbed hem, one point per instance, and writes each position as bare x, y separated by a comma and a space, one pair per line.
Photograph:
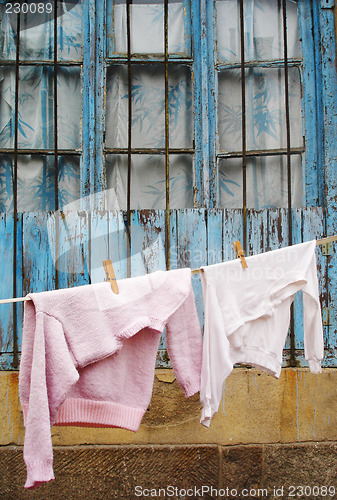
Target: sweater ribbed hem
99, 413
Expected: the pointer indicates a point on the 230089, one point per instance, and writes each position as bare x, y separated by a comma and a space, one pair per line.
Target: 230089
31, 8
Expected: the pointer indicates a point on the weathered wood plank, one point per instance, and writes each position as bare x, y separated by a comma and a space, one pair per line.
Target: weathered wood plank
18, 307
329, 103
278, 235
117, 243
214, 236
192, 251
38, 270
89, 124
70, 247
147, 241
38, 266
257, 231
98, 244
297, 232
6, 288
232, 231
313, 122
173, 237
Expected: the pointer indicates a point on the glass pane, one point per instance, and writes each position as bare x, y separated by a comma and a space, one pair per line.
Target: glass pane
68, 180
116, 169
181, 181
70, 31
263, 30
37, 30
148, 181
148, 106
6, 183
69, 107
116, 119
179, 27
266, 182
36, 107
147, 27
36, 182
180, 106
7, 99
148, 184
265, 109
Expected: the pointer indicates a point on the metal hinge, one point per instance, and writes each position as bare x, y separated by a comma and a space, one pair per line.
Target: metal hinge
326, 316
327, 4
327, 249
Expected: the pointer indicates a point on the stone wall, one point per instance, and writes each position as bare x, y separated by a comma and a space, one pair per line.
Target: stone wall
269, 437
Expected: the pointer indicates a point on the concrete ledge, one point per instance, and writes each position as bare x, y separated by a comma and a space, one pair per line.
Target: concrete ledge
299, 407
115, 472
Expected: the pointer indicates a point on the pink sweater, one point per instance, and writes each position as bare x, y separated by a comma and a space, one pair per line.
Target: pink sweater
88, 356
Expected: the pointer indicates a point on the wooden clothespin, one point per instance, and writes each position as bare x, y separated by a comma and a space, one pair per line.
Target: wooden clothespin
110, 275
240, 253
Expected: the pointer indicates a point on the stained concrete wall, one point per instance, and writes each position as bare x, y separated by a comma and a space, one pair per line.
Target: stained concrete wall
267, 434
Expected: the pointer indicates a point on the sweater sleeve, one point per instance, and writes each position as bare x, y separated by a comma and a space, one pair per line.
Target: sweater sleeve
184, 345
47, 373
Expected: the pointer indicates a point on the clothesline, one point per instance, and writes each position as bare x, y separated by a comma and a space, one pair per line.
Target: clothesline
323, 241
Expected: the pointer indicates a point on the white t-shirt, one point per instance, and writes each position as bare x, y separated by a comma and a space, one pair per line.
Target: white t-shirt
247, 316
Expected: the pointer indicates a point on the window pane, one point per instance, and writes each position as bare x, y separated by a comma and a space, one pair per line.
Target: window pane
116, 120
36, 107
265, 109
6, 183
180, 106
70, 31
148, 184
37, 31
36, 182
263, 30
181, 181
69, 107
146, 172
68, 180
266, 182
148, 106
147, 27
